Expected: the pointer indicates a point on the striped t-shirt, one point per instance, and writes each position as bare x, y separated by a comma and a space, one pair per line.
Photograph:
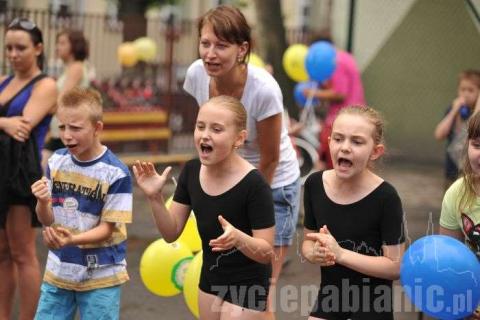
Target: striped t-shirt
83, 195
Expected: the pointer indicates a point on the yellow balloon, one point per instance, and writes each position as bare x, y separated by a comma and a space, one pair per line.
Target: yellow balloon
190, 283
146, 48
189, 234
256, 60
127, 54
294, 62
163, 266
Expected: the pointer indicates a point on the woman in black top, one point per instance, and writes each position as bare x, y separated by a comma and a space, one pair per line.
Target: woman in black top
234, 210
354, 224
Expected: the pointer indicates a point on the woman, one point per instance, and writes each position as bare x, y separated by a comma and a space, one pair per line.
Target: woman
26, 100
225, 43
72, 49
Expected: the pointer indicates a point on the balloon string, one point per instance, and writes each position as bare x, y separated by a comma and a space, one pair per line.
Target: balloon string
308, 108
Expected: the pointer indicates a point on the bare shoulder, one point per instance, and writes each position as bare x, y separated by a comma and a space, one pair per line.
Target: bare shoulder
48, 84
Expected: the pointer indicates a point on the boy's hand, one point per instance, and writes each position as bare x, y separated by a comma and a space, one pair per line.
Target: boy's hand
228, 239
458, 103
41, 191
56, 238
148, 178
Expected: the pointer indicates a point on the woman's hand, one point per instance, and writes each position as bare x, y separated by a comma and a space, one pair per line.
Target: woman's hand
148, 178
229, 238
17, 127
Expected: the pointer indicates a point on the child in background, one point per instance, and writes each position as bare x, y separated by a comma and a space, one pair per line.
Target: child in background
353, 223
84, 202
453, 125
234, 210
460, 216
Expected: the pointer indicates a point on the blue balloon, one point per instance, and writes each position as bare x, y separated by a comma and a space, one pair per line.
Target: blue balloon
441, 276
320, 61
300, 98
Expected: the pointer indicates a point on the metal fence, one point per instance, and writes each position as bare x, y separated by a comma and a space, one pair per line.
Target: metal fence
105, 35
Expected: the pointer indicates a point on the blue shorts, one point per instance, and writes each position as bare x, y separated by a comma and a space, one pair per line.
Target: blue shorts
286, 202
61, 304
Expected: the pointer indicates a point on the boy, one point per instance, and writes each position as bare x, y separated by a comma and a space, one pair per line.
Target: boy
84, 202
453, 125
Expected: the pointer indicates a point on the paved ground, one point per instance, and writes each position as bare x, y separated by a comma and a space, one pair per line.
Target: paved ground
420, 188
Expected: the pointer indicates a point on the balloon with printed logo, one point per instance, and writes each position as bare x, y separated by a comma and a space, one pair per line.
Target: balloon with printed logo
190, 284
299, 95
146, 49
441, 276
189, 235
294, 62
255, 60
163, 266
320, 61
127, 54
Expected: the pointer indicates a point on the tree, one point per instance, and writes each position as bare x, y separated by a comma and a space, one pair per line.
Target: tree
272, 41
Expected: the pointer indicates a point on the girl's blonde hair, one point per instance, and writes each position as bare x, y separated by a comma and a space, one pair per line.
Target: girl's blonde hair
235, 106
373, 116
470, 179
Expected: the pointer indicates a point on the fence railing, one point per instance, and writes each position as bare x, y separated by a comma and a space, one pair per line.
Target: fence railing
105, 35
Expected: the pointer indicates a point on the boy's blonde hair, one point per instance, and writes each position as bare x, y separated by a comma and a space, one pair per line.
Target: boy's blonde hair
235, 106
89, 99
470, 75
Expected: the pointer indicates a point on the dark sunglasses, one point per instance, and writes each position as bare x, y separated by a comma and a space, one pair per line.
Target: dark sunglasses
22, 23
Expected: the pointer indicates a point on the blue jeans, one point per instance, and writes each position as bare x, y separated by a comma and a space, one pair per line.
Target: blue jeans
59, 304
286, 202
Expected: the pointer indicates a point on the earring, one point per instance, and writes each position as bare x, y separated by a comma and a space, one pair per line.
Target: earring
239, 59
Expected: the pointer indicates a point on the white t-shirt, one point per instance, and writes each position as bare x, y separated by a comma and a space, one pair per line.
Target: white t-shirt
262, 98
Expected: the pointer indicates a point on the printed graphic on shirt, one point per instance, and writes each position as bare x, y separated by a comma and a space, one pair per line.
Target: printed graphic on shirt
472, 232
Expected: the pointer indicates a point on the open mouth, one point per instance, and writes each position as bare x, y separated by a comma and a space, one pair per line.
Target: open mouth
345, 163
206, 148
212, 65
70, 146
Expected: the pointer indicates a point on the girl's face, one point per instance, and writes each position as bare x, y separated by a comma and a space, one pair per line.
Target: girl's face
21, 52
352, 145
216, 134
474, 155
219, 56
63, 47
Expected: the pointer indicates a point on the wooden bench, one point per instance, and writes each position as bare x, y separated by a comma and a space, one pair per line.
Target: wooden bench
140, 135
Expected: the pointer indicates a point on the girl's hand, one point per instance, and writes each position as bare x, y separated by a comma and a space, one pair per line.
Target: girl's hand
18, 128
228, 239
328, 241
56, 238
148, 178
322, 255
41, 191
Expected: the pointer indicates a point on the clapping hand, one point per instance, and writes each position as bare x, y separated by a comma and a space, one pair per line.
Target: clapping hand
148, 178
57, 237
228, 239
325, 250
